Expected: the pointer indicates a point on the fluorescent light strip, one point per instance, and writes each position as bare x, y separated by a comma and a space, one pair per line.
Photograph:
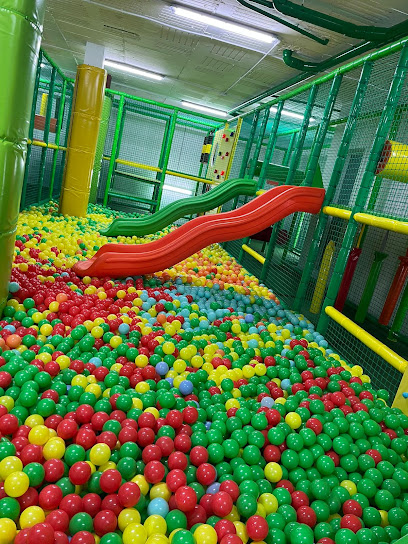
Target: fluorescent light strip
132, 70
204, 109
224, 25
177, 189
290, 114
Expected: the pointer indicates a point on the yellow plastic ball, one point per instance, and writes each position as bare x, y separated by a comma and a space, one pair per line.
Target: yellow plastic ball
16, 484
39, 435
141, 481
8, 531
269, 502
54, 449
273, 472
160, 491
157, 539
31, 516
350, 486
134, 533
128, 516
155, 525
293, 420
100, 454
141, 361
205, 534
241, 531
9, 465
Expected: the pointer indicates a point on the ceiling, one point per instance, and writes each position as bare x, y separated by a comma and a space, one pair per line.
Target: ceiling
201, 64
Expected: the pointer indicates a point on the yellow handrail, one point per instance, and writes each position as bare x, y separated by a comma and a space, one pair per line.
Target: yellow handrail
382, 222
138, 165
368, 340
385, 223
337, 212
187, 176
40, 143
253, 253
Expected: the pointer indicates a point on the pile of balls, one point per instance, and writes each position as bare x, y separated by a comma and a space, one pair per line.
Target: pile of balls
185, 408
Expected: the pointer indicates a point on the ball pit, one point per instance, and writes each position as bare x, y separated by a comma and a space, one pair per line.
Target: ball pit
185, 408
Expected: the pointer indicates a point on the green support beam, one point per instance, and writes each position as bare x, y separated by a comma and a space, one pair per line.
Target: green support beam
383, 129
115, 150
58, 136
46, 134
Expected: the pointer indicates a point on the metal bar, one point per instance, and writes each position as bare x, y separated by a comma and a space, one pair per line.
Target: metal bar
337, 212
253, 253
355, 110
57, 136
187, 176
382, 222
294, 162
322, 131
114, 150
258, 145
248, 146
271, 145
172, 129
291, 145
31, 131
53, 64
367, 339
375, 55
166, 106
46, 133
137, 165
383, 128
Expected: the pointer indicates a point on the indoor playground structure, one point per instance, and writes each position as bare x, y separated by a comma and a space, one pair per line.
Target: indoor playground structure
203, 321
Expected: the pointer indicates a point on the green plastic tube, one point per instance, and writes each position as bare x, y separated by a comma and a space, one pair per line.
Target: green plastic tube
399, 317
370, 285
170, 213
20, 39
103, 131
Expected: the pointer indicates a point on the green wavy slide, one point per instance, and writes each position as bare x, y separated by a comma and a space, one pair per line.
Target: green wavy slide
198, 204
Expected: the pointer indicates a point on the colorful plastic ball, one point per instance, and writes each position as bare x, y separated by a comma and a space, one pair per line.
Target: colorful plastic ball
16, 484
8, 531
134, 533
185, 498
104, 522
158, 507
205, 534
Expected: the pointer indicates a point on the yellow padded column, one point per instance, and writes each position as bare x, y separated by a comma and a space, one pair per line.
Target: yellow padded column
83, 137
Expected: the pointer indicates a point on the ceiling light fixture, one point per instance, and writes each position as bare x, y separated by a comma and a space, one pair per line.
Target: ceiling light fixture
132, 70
223, 24
177, 189
290, 114
204, 109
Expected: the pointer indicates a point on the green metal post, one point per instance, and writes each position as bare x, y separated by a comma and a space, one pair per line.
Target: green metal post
294, 163
114, 151
383, 128
399, 316
46, 133
334, 179
258, 144
288, 152
65, 143
322, 131
248, 146
315, 152
31, 131
270, 148
167, 156
58, 135
161, 158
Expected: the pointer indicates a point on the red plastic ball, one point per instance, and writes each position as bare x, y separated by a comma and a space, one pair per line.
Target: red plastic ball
105, 522
185, 498
176, 478
230, 487
306, 515
257, 528
71, 504
41, 533
352, 507
50, 497
129, 494
154, 472
83, 537
110, 481
222, 504
58, 519
91, 503
206, 474
224, 527
352, 522
80, 473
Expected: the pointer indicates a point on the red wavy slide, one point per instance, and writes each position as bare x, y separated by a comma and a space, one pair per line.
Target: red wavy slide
121, 260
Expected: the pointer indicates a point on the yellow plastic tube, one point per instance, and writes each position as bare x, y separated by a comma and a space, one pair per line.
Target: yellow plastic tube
368, 340
393, 163
253, 253
83, 137
382, 222
322, 278
337, 212
44, 102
